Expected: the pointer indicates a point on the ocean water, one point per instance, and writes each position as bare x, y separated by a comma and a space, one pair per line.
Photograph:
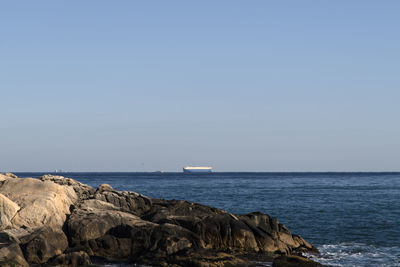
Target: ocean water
352, 218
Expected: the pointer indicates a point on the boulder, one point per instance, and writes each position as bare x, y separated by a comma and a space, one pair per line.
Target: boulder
41, 202
294, 261
131, 202
273, 236
10, 251
219, 230
162, 242
94, 218
8, 209
71, 259
43, 243
83, 191
103, 229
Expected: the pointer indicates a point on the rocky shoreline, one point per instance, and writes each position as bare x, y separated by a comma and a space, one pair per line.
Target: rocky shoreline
57, 221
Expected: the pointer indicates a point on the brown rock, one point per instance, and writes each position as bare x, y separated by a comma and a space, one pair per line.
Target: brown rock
95, 218
83, 191
217, 229
127, 226
293, 261
41, 202
8, 209
10, 252
102, 229
200, 258
273, 236
43, 243
71, 259
131, 202
104, 187
7, 175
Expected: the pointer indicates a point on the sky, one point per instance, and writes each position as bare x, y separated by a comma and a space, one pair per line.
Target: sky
236, 85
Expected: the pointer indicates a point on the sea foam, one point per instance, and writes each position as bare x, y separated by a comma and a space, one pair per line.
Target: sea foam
357, 255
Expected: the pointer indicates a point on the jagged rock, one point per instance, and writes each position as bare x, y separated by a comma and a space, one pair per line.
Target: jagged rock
10, 251
104, 187
304, 246
8, 209
105, 231
41, 202
161, 209
42, 244
273, 236
100, 228
71, 259
162, 242
95, 218
224, 231
126, 201
83, 191
293, 261
172, 228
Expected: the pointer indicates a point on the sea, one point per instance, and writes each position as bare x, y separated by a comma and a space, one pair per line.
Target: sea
352, 218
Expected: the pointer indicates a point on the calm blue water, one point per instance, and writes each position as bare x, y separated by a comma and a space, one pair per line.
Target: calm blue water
353, 218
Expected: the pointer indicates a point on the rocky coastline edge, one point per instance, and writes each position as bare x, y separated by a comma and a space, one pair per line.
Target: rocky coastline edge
58, 221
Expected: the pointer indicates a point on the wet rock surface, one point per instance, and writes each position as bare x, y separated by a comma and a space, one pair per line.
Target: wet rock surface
57, 221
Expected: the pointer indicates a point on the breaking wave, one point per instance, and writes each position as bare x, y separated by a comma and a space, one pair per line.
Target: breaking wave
357, 255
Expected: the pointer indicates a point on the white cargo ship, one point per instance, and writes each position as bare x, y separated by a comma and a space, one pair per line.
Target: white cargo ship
197, 169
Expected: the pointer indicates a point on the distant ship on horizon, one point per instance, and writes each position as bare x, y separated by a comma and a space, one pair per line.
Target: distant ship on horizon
190, 169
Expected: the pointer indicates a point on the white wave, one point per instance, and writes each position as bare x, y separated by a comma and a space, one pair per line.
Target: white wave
351, 254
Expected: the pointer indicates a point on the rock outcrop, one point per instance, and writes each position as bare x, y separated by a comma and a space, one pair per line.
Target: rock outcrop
57, 221
43, 244
40, 202
83, 191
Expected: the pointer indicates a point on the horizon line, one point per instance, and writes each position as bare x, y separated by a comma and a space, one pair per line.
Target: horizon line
159, 172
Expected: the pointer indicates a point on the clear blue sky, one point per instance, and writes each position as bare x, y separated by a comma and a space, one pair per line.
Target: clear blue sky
238, 85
